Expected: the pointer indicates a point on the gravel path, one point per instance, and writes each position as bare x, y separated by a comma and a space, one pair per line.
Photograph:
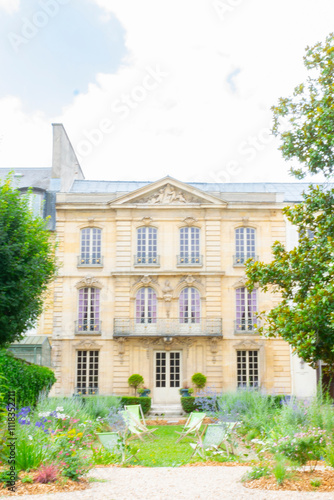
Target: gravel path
168, 483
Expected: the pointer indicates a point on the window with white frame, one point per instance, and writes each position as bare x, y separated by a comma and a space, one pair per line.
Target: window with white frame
89, 310
190, 306
246, 308
244, 244
90, 246
147, 245
87, 372
146, 305
189, 246
248, 368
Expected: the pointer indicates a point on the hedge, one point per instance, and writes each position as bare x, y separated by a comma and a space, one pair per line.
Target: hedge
145, 402
189, 403
26, 379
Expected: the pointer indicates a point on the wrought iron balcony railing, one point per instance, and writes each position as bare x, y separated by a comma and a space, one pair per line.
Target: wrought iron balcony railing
246, 325
90, 261
240, 259
190, 260
147, 261
86, 391
167, 327
88, 327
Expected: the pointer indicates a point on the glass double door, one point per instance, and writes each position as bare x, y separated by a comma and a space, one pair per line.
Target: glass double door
167, 376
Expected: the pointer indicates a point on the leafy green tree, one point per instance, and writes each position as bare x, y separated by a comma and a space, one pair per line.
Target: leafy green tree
305, 121
304, 276
27, 264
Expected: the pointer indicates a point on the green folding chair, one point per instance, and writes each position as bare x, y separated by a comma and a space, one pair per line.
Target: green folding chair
115, 443
212, 437
137, 412
136, 428
192, 425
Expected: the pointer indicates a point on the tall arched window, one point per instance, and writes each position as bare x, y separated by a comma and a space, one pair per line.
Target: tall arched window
90, 246
246, 307
190, 309
244, 244
146, 305
147, 245
89, 310
189, 246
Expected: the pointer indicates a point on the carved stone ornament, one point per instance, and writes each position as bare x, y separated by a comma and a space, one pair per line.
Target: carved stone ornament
190, 221
251, 345
91, 220
245, 219
120, 345
213, 342
145, 280
168, 195
240, 283
88, 281
167, 295
147, 221
174, 342
87, 344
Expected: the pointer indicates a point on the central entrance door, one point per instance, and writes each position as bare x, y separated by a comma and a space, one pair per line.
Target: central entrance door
167, 376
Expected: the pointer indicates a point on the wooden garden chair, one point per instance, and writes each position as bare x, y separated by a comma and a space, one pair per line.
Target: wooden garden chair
137, 412
135, 427
212, 437
192, 425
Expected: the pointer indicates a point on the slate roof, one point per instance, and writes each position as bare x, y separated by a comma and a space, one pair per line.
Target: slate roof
31, 177
292, 190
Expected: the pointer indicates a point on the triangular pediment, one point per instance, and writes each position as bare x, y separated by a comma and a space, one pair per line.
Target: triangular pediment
168, 191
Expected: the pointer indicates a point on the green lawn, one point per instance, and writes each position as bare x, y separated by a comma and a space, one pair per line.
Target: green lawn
164, 452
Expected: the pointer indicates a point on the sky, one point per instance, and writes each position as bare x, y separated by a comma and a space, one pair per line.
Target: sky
152, 88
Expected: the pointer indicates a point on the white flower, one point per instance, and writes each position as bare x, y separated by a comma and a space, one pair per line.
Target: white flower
30, 438
59, 408
82, 425
44, 414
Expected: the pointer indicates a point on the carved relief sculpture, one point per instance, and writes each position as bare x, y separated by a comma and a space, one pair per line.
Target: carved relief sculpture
168, 195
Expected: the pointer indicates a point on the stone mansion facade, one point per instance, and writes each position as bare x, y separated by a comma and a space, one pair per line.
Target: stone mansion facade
152, 281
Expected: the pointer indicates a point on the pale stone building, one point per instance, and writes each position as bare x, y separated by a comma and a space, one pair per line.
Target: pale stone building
152, 281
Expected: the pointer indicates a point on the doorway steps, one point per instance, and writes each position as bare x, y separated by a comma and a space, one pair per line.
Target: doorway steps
166, 411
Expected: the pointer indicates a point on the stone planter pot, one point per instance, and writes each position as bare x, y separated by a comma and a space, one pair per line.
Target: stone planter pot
184, 393
145, 393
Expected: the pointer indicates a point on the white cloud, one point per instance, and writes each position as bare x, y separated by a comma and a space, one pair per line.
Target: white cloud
193, 125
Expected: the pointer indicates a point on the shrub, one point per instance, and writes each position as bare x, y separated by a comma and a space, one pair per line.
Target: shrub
46, 474
302, 446
191, 403
280, 470
99, 406
199, 380
145, 402
31, 379
256, 472
135, 381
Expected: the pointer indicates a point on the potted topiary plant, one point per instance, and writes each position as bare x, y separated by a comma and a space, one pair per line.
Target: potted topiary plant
144, 392
135, 381
186, 391
199, 380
